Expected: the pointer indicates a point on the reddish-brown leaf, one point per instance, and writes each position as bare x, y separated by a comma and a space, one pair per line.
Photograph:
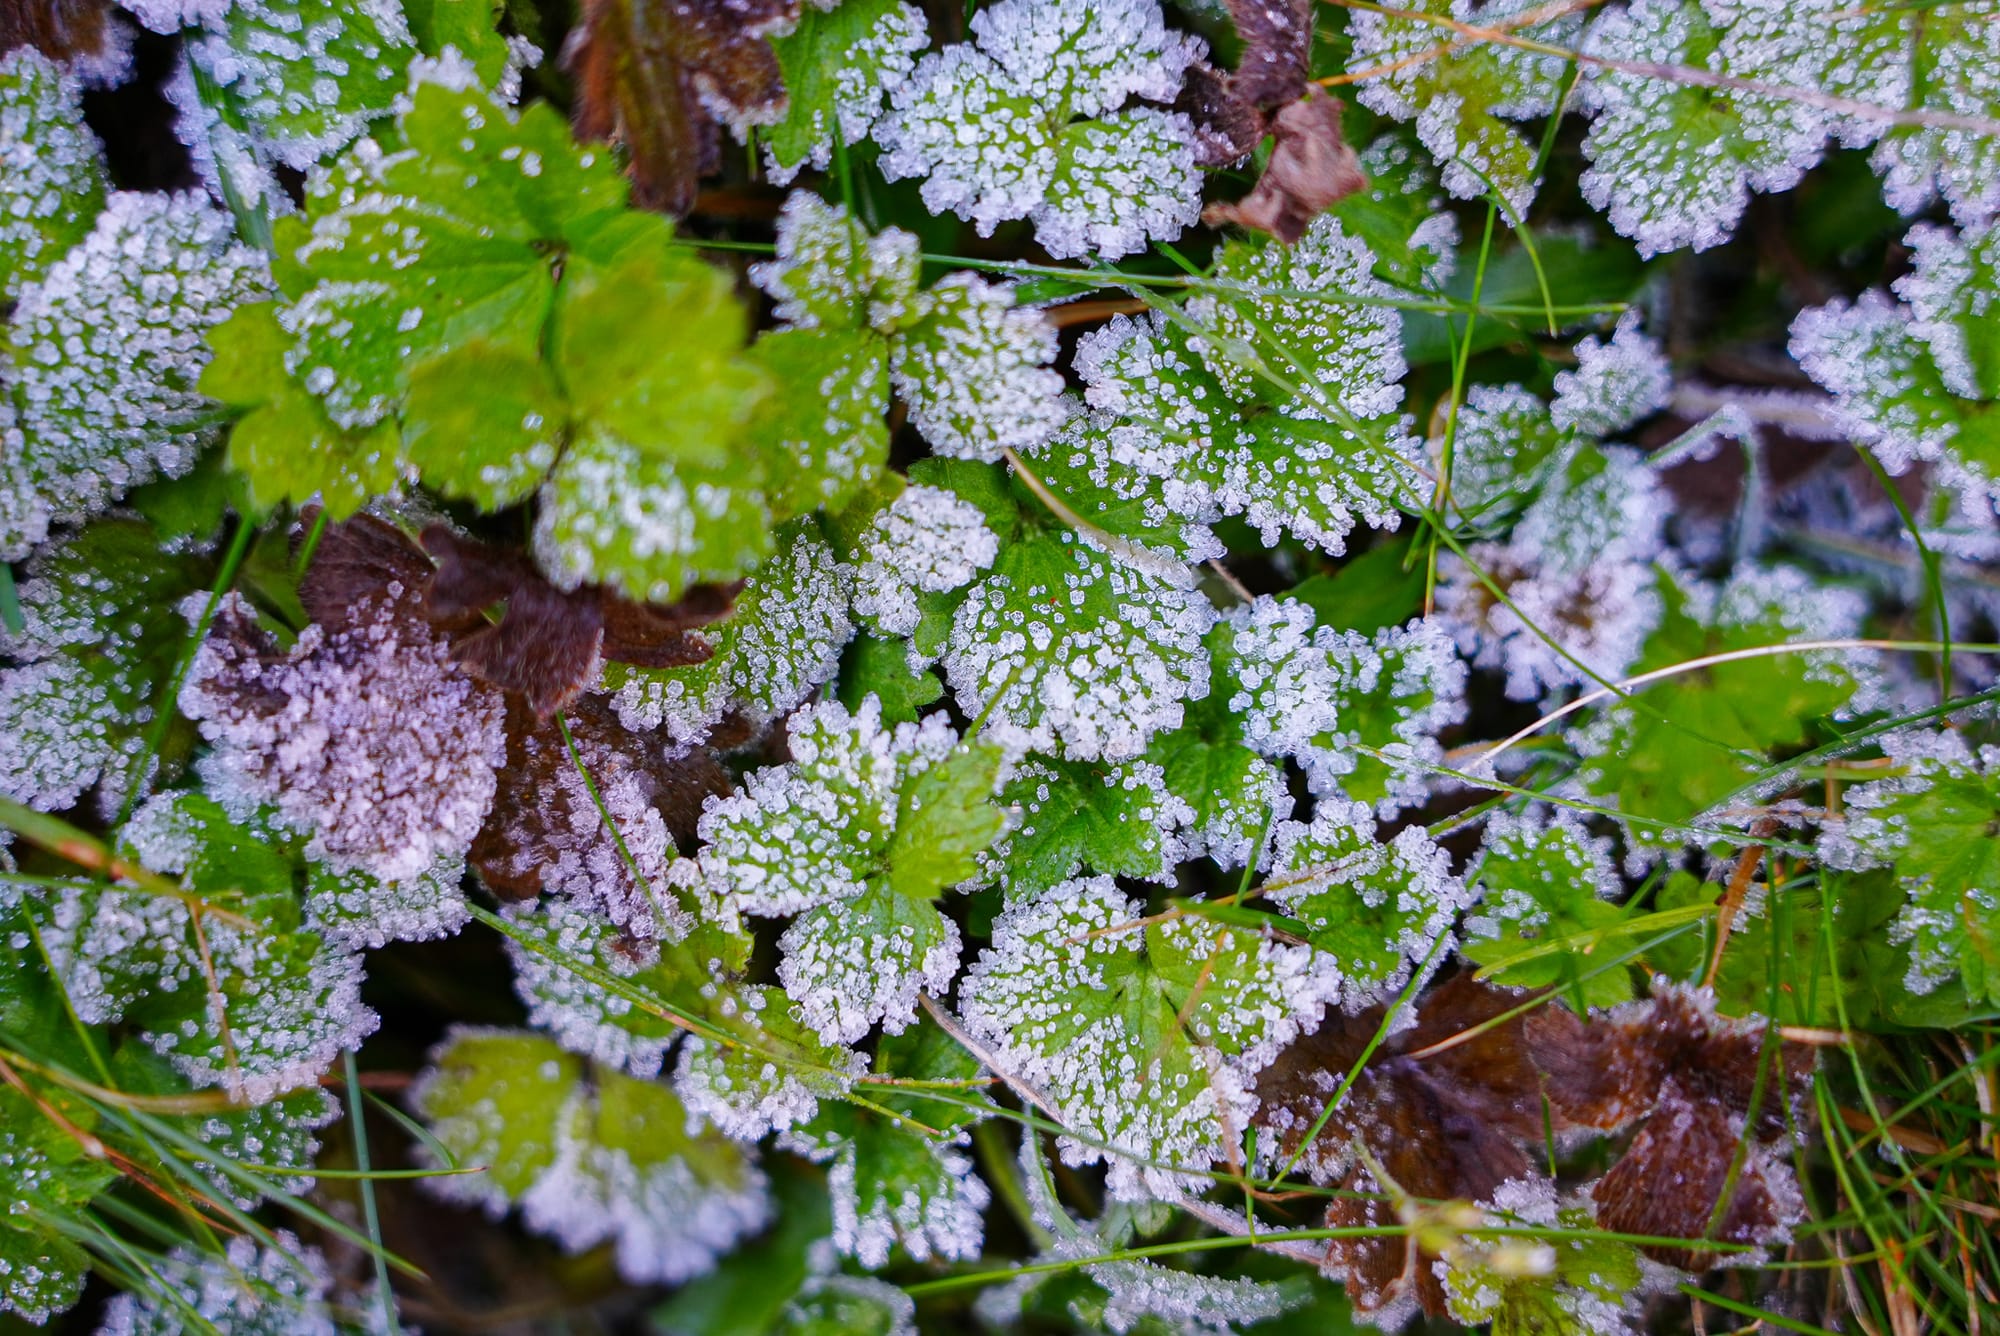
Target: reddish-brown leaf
1310, 170
658, 75
62, 30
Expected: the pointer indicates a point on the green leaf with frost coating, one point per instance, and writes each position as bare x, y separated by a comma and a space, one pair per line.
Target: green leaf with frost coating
1542, 882
52, 179
839, 64
826, 431
881, 668
947, 820
1074, 815
1580, 1283
483, 422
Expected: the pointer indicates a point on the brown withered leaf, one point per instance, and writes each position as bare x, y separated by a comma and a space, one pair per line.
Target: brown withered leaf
1454, 1124
655, 75
359, 559
62, 30
1445, 1126
1311, 169
547, 831
549, 642
1229, 108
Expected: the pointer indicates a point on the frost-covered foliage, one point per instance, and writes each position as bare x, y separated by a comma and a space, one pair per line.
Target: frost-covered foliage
1030, 120
977, 654
110, 297
1144, 1036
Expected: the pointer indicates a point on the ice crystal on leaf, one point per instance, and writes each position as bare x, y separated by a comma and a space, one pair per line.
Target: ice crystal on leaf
1673, 164
1932, 825
898, 1185
588, 1155
1615, 382
52, 178
839, 64
925, 541
280, 1288
96, 391
1701, 734
249, 1000
41, 1270
1281, 409
1463, 100
92, 660
1946, 60
835, 1304
1120, 819
969, 364
1522, 1286
1375, 911
780, 642
1143, 1035
1028, 120
1912, 381
772, 1075
1321, 696
857, 836
367, 736
306, 76
1542, 880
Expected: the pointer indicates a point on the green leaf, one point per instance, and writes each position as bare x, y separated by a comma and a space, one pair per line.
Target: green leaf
1542, 881
607, 1158
881, 668
1375, 910
1143, 1036
1702, 733
839, 65
1573, 1283
1121, 819
946, 821
1378, 589
1236, 796
827, 431
52, 179
751, 1287
483, 422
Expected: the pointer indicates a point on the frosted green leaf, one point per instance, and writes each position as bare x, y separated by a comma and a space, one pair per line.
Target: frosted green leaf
250, 1289
839, 64
1235, 795
882, 669
51, 174
827, 431
1524, 1286
1914, 382
1507, 445
1674, 164
857, 834
781, 640
616, 512
893, 1184
96, 648
255, 1004
48, 1177
1281, 408
1145, 1037
1156, 524
1542, 880
1946, 58
842, 1305
1705, 733
359, 910
483, 422
1023, 121
587, 1161
831, 273
771, 1076
1933, 826
973, 369
1615, 382
1375, 911
1070, 815
1074, 653
1466, 100
926, 541
98, 394
307, 75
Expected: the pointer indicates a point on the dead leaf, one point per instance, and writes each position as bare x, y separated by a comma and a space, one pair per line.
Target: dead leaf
1311, 169
658, 76
62, 30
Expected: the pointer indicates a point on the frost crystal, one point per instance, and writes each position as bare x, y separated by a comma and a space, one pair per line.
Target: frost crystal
251, 1289
1024, 121
1614, 384
973, 369
829, 838
581, 1014
357, 909
781, 641
368, 736
926, 541
1672, 164
106, 346
1376, 910
1122, 819
1075, 653
839, 65
51, 174
1144, 1036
